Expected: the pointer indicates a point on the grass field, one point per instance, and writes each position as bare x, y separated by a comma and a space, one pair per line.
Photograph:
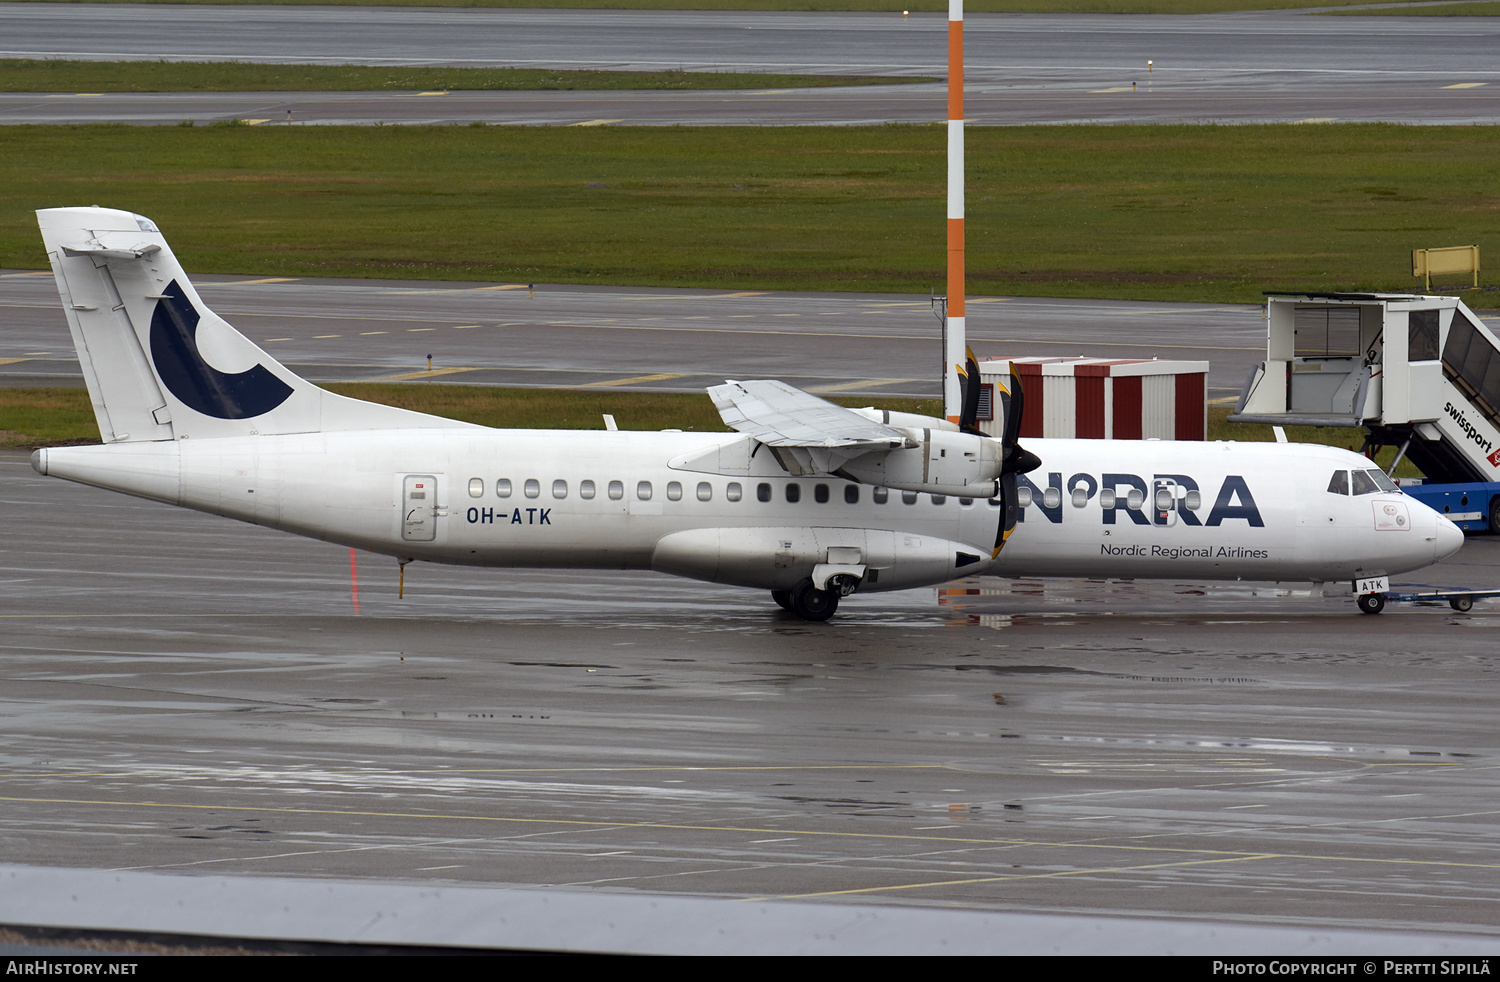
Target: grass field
33, 75
31, 418
890, 6
1147, 212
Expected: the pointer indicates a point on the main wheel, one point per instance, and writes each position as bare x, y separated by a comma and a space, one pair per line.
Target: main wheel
1495, 514
812, 604
1461, 604
1372, 603
783, 598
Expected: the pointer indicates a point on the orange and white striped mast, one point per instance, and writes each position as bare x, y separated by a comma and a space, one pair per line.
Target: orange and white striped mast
953, 324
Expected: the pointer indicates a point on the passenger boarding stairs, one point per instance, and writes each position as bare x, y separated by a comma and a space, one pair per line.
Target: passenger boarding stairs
1420, 373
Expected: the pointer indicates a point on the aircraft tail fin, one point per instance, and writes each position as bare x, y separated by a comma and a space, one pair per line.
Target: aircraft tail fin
159, 364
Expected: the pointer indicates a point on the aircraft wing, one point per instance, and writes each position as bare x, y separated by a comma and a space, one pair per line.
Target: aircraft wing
779, 415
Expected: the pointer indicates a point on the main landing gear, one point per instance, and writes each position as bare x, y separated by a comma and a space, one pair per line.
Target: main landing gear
1371, 603
812, 604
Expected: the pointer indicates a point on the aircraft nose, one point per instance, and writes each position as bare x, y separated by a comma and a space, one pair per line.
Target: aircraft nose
1449, 539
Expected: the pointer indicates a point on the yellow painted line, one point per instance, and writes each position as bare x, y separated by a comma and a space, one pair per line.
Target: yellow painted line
711, 296
365, 334
269, 340
37, 354
11, 361
862, 384
278, 279
986, 299
319, 337
595, 122
769, 92
641, 378
1466, 85
418, 330
464, 327
434, 373
1315, 119
254, 122
1117, 88
1021, 876
747, 293
1213, 855
76, 95
507, 286
436, 92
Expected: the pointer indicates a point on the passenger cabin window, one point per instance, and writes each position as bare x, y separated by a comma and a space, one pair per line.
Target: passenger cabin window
940, 499
794, 492
643, 490
966, 502
1023, 497
1135, 499
908, 497
502, 488
763, 492
533, 487
705, 491
851, 494
616, 490
559, 489
880, 495
820, 493
1339, 483
1194, 500
476, 487
586, 489
733, 491
674, 490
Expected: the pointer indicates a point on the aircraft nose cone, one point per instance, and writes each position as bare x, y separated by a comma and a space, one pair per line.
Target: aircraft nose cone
1449, 539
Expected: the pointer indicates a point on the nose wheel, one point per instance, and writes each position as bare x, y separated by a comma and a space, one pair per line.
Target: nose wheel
1371, 603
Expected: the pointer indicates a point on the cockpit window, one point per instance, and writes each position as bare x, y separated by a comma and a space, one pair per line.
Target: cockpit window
1339, 484
1382, 481
1363, 483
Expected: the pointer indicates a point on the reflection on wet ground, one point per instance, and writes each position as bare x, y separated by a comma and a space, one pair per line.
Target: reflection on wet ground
189, 694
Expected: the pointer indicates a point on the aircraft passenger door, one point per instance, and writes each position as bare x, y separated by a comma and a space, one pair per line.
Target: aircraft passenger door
1165, 495
419, 508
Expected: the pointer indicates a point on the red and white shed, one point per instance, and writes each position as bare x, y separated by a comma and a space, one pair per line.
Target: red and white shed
1104, 398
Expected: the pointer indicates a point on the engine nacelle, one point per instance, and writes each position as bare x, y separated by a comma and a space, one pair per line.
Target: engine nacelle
943, 462
777, 558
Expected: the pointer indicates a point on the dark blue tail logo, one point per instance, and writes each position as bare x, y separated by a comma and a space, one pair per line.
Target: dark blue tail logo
198, 385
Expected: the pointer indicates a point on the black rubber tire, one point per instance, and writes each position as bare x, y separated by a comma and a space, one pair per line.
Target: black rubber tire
783, 598
1372, 603
1495, 514
812, 604
1461, 604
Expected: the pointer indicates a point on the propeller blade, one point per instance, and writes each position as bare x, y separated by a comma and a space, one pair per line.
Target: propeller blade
968, 380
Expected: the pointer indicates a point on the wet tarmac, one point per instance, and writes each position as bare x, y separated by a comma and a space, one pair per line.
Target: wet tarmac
185, 694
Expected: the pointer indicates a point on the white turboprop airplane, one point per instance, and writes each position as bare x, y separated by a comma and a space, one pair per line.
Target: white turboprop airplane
807, 500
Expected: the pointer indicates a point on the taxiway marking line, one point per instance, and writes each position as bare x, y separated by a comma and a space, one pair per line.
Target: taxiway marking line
1466, 85
268, 279
1217, 854
595, 122
754, 332
1017, 876
663, 376
12, 361
433, 373
862, 384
